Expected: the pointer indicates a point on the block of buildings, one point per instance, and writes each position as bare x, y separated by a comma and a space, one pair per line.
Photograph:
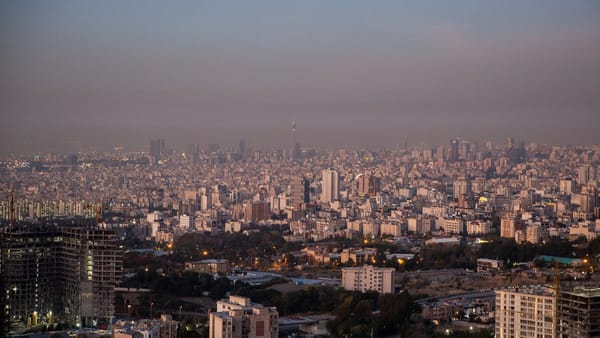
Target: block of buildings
165, 327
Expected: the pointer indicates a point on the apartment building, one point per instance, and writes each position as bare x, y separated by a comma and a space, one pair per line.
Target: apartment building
579, 312
60, 274
368, 278
238, 317
525, 312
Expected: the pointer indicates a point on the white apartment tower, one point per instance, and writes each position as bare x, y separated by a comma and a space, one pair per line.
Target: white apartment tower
525, 312
368, 278
330, 186
186, 222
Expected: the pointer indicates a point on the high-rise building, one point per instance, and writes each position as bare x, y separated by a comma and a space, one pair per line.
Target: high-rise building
60, 274
453, 153
585, 174
462, 186
157, 148
238, 317
186, 222
465, 149
579, 312
510, 143
242, 148
193, 153
257, 210
368, 184
565, 185
368, 278
299, 192
330, 186
534, 233
509, 225
528, 311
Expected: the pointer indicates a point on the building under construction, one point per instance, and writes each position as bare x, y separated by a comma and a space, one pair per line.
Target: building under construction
579, 312
59, 274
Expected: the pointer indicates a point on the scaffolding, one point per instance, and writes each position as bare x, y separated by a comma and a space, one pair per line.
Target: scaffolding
66, 274
579, 310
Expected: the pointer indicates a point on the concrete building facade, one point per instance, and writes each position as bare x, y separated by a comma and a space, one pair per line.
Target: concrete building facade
60, 274
525, 312
368, 278
579, 312
238, 317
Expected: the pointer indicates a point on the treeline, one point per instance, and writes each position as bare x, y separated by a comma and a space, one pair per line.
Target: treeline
235, 247
311, 300
509, 251
356, 313
184, 284
371, 314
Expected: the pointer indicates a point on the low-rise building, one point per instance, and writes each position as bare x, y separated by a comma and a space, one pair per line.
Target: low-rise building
210, 266
165, 327
358, 256
486, 264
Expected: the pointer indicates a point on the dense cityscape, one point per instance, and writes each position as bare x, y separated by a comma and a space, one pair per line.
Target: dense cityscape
464, 239
299, 169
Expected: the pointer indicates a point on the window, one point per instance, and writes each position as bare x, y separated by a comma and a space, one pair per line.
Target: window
260, 328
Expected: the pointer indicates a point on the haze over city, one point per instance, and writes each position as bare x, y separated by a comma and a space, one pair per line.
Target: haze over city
81, 75
278, 169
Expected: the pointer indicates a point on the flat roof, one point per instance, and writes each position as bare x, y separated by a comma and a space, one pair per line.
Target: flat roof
562, 260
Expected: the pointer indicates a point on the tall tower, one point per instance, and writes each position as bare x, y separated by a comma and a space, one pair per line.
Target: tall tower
330, 186
299, 191
293, 134
157, 148
242, 148
295, 152
453, 154
462, 186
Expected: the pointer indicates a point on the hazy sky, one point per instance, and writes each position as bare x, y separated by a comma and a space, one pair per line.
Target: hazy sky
110, 72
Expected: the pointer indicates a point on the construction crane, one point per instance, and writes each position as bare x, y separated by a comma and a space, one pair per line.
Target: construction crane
556, 289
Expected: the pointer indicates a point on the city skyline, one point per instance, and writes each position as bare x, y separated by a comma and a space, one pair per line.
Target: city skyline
351, 74
299, 168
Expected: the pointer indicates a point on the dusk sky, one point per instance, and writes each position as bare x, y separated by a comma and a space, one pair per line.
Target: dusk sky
348, 72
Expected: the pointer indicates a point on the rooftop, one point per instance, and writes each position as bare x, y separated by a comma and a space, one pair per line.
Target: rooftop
585, 292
